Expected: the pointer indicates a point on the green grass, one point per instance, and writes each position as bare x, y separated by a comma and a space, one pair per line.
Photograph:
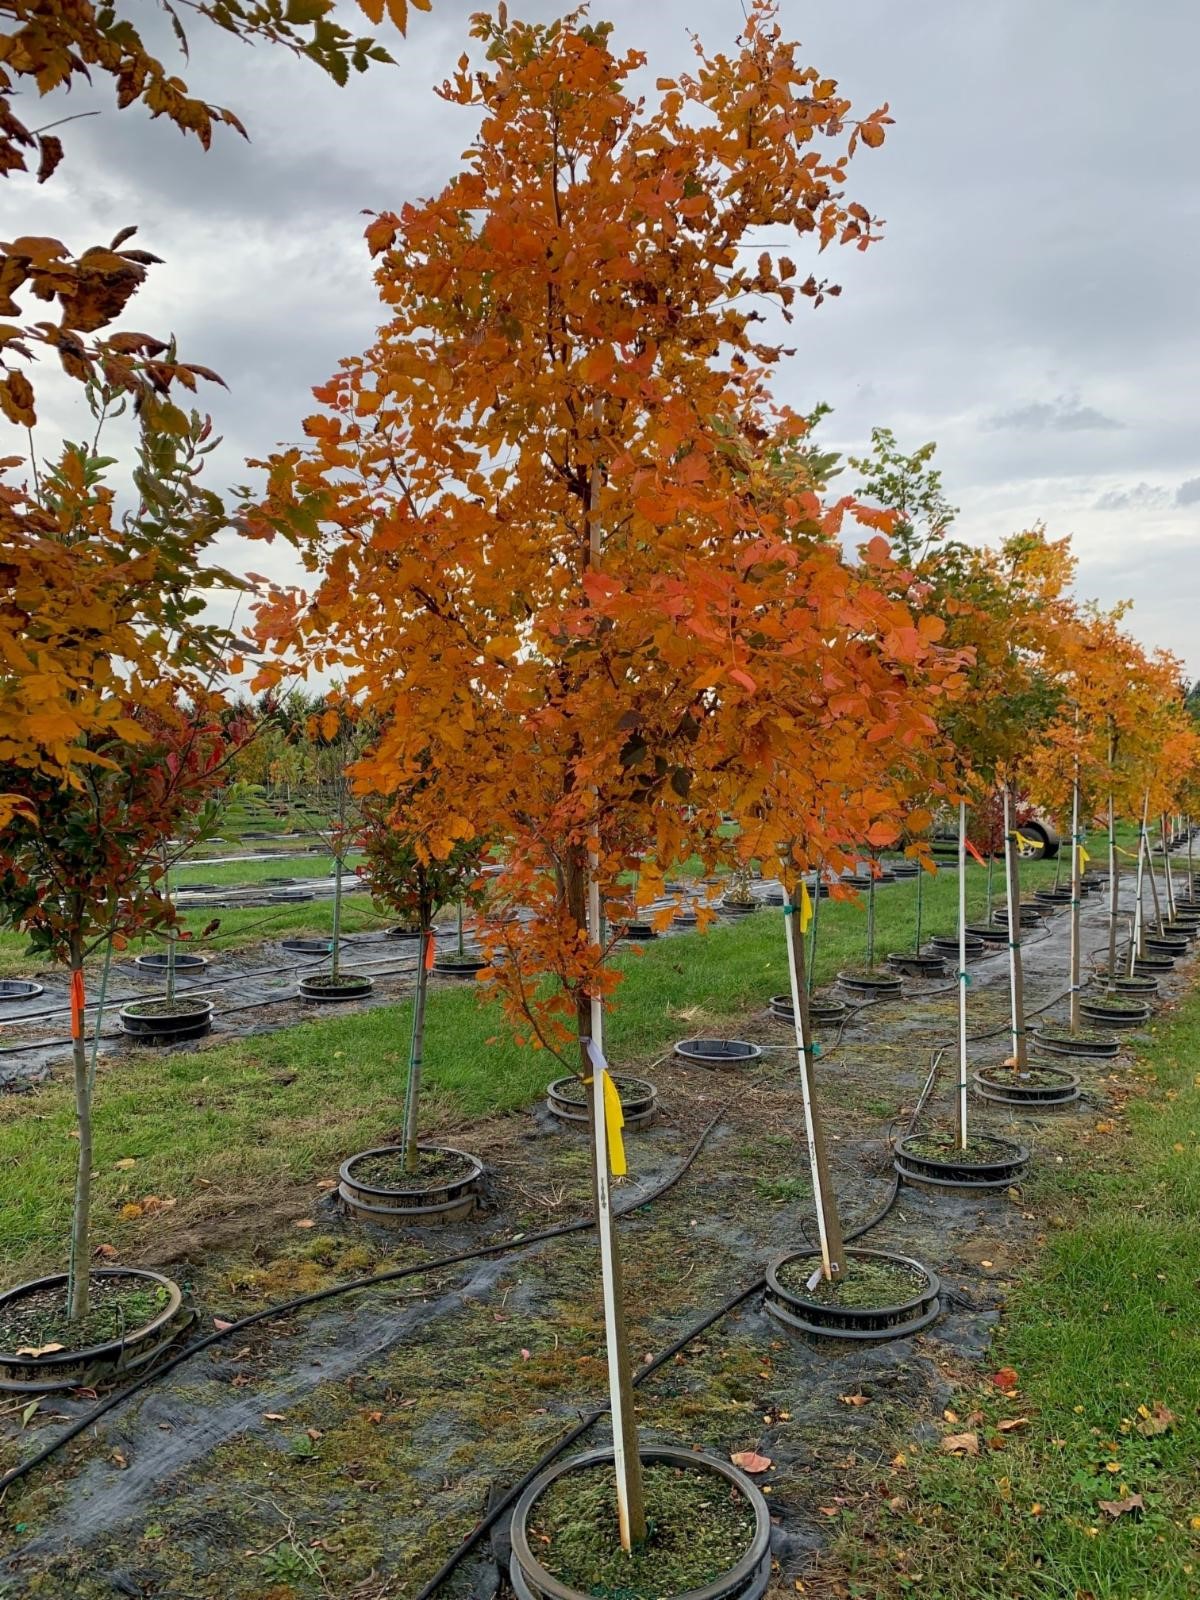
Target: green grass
223, 1117
245, 872
1102, 1334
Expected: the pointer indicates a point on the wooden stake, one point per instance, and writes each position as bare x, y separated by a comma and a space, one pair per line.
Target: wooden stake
1076, 898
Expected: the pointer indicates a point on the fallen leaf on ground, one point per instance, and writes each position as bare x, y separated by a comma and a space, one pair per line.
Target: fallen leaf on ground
750, 1461
131, 1212
125, 1164
965, 1444
1011, 1424
272, 1416
106, 1252
220, 1324
1006, 1378
855, 1399
1154, 1420
39, 1349
304, 1222
1119, 1508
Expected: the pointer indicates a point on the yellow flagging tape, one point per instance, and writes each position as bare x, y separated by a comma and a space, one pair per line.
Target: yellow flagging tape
805, 908
1084, 858
614, 1121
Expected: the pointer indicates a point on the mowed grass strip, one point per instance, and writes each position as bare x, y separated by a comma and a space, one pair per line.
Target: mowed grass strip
250, 1117
1096, 1494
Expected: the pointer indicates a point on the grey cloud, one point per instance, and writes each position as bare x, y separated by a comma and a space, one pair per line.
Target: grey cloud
1064, 414
1138, 497
1188, 493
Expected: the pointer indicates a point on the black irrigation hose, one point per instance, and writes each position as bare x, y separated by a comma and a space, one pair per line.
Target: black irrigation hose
393, 1275
566, 1440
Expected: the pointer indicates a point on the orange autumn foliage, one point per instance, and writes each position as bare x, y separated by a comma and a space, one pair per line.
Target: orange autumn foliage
561, 540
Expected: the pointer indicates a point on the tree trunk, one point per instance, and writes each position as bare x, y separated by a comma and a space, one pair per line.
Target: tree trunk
829, 1225
871, 919
412, 1090
920, 892
1170, 883
79, 1261
335, 956
962, 974
1016, 972
1076, 908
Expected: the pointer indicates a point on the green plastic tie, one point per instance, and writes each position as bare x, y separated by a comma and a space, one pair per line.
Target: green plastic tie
966, 978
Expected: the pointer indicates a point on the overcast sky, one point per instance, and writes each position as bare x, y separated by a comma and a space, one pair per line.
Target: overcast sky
1033, 306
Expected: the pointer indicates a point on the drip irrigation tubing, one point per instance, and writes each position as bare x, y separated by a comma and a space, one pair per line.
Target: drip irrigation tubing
589, 1420
351, 1285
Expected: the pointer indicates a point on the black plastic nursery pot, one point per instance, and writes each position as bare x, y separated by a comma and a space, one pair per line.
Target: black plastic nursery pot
453, 966
721, 1053
532, 1557
684, 919
771, 897
323, 986
936, 1161
400, 931
1053, 897
989, 932
1181, 928
947, 945
1139, 984
566, 1098
1087, 1042
159, 962
291, 897
307, 947
903, 869
448, 1198
137, 1348
804, 1311
912, 964
1029, 916
822, 1013
1125, 1011
1149, 966
737, 908
19, 989
166, 1021
1162, 944
875, 985
639, 931
1039, 1089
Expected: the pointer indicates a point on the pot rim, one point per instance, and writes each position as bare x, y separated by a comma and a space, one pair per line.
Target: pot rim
183, 1008
64, 1358
748, 1052
1020, 1153
932, 1286
729, 1582
449, 1185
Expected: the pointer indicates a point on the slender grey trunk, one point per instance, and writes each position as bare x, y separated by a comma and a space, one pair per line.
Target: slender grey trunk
79, 1260
811, 967
416, 1052
1076, 899
1020, 1047
920, 891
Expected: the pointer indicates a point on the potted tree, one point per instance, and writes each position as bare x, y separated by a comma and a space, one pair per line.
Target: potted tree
413, 1181
548, 595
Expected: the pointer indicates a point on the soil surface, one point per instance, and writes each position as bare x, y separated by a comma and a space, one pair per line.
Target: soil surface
698, 1527
165, 1008
628, 1089
435, 1168
117, 1306
865, 1284
977, 1152
1035, 1078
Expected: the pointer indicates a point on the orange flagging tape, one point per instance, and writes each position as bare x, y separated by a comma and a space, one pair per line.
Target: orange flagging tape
78, 1001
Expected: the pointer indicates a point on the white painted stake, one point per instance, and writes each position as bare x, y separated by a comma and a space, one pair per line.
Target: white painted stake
827, 1265
962, 974
1014, 925
604, 1227
1135, 943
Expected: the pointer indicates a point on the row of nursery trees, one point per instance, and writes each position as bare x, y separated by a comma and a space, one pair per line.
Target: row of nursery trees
583, 579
